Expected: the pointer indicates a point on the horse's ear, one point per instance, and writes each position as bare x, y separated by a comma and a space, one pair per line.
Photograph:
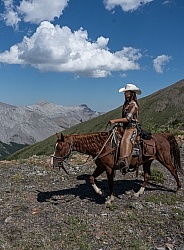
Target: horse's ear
62, 137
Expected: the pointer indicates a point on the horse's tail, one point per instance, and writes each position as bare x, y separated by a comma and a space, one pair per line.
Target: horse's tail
175, 151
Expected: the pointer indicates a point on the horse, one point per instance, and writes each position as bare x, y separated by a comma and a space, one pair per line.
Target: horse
102, 146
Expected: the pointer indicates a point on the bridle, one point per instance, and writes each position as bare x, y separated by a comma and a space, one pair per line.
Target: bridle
61, 159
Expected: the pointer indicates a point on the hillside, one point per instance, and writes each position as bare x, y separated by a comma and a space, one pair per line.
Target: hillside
161, 109
165, 106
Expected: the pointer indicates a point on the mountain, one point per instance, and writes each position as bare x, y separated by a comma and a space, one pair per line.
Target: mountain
64, 117
162, 109
22, 126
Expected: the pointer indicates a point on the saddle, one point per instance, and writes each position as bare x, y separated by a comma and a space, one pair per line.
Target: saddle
148, 147
146, 144
143, 133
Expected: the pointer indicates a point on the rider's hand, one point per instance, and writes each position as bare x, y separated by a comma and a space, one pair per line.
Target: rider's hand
111, 122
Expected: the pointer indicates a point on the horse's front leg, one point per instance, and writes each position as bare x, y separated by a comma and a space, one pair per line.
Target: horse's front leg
147, 176
110, 177
98, 171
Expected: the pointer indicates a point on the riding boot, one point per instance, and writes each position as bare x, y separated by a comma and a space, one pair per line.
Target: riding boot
123, 164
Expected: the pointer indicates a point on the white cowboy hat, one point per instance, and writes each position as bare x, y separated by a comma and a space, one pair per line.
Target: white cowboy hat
131, 87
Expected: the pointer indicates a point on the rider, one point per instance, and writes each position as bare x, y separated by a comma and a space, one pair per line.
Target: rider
129, 119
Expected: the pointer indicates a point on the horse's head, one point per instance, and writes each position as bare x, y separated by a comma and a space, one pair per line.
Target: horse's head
62, 151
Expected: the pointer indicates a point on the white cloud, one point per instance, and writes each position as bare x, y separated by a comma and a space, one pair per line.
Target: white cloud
52, 48
10, 16
36, 11
166, 2
33, 11
123, 75
126, 5
159, 63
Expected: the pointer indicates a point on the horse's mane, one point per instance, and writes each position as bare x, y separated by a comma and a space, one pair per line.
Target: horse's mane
92, 141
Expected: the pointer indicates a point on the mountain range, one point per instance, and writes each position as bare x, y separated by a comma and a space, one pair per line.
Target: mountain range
21, 126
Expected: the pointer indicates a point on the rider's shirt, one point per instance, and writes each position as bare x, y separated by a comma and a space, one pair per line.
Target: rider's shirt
131, 112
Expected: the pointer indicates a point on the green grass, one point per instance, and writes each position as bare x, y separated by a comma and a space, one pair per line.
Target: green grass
178, 213
170, 199
157, 176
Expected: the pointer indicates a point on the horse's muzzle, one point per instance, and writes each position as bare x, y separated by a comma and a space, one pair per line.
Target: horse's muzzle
57, 162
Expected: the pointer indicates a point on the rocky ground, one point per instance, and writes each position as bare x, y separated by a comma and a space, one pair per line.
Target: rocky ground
41, 208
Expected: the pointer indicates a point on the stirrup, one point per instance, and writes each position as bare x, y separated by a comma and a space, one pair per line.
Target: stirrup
123, 165
124, 170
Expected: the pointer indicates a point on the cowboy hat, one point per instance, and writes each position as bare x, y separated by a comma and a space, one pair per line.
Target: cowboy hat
131, 87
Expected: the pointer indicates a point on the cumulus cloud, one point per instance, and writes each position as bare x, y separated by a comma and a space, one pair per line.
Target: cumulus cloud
126, 5
10, 16
55, 48
33, 11
36, 11
159, 63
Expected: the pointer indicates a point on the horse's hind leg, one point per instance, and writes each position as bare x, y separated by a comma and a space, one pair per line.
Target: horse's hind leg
98, 171
166, 161
147, 176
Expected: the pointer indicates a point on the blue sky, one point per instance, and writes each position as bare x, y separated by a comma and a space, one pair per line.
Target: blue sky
72, 52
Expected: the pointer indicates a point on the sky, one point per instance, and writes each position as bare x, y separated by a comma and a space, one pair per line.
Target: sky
73, 52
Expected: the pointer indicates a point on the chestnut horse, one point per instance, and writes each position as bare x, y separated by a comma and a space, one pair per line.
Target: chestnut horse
102, 147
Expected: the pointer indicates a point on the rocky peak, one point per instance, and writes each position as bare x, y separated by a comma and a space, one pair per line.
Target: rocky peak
30, 124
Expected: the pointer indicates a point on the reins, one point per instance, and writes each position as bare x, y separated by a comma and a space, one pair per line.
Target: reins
113, 135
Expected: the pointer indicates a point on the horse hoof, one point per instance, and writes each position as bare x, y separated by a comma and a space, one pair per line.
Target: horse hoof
109, 200
130, 192
136, 195
108, 203
179, 191
101, 193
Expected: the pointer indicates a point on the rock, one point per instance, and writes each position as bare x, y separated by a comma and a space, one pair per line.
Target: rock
169, 246
8, 219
